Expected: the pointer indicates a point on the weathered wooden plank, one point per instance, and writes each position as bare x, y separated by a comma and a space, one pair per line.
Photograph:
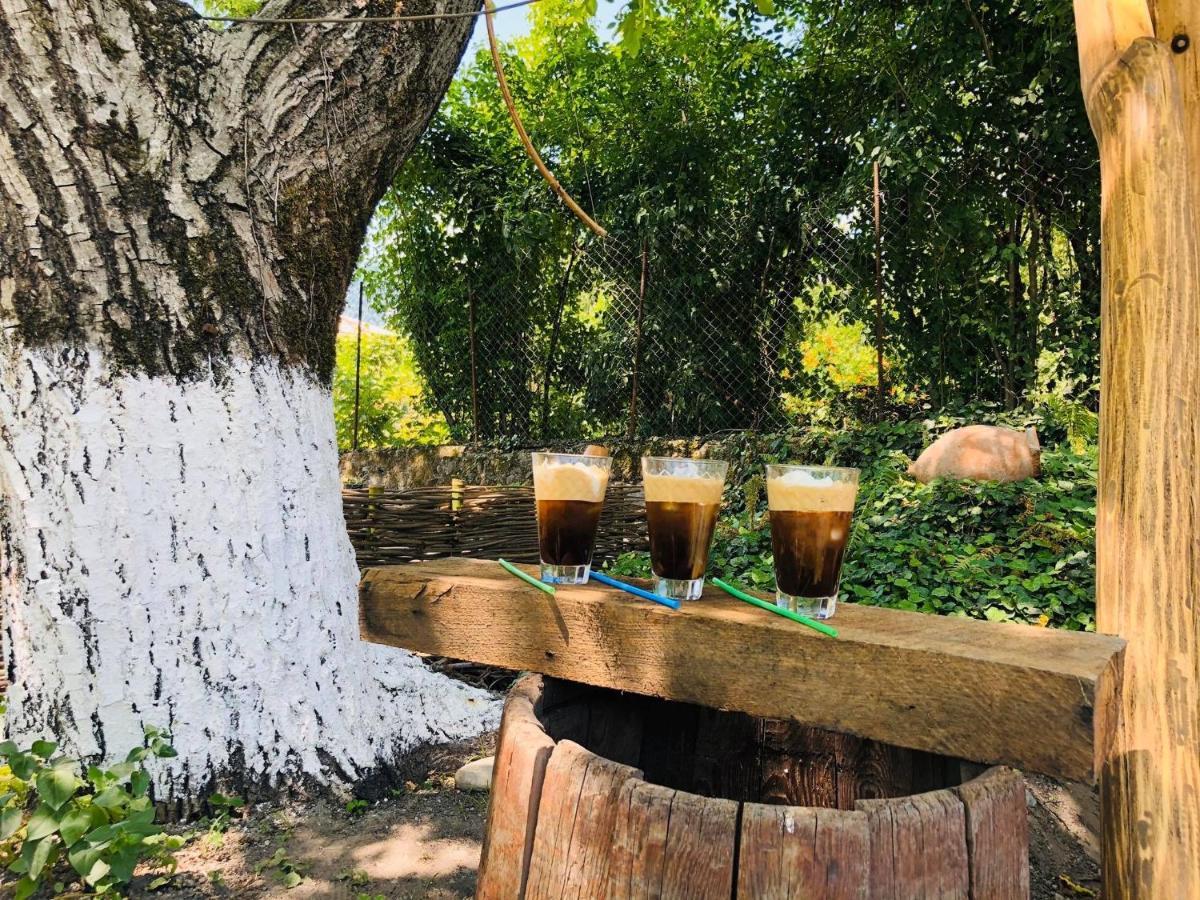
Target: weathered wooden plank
600, 806
997, 834
580, 806
640, 843
557, 810
523, 750
1035, 698
918, 847
797, 853
701, 835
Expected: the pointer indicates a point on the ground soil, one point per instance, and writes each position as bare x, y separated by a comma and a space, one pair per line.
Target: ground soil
423, 841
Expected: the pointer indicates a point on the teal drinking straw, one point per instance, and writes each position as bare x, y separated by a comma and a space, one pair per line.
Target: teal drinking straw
528, 579
778, 610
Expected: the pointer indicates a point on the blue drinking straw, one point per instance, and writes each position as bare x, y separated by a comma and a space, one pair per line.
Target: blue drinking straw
636, 591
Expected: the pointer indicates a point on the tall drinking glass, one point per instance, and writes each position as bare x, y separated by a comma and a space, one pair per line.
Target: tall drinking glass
810, 509
569, 491
683, 497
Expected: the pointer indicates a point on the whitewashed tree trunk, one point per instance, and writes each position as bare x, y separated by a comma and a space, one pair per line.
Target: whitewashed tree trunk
180, 213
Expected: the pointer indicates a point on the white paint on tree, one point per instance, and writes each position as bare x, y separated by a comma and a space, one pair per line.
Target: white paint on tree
175, 555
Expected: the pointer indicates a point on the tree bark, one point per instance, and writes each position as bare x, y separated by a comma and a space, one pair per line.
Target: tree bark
180, 212
1143, 100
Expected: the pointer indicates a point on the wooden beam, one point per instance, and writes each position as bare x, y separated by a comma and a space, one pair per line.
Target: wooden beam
1141, 77
1033, 698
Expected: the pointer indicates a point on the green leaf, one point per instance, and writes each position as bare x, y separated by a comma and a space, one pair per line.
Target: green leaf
23, 765
42, 823
110, 798
292, 879
56, 786
76, 823
765, 7
35, 855
25, 888
44, 749
83, 857
10, 821
139, 783
123, 862
8, 748
99, 869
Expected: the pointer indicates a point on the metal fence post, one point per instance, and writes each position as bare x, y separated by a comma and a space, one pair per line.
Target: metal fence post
357, 367
474, 374
637, 344
880, 388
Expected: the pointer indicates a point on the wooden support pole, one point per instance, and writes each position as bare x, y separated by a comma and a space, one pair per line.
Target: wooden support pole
1141, 83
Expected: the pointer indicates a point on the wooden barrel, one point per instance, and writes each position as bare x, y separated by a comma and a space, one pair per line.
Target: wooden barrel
598, 794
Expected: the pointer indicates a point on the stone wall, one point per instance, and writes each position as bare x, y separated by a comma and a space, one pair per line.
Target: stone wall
402, 468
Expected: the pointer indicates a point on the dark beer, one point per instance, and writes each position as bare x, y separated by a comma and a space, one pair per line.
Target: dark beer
680, 535
809, 547
567, 531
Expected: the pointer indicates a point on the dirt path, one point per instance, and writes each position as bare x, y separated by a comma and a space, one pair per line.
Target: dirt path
423, 841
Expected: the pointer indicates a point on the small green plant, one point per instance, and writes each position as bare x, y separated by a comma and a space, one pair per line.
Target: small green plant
223, 808
287, 871
356, 807
99, 821
355, 877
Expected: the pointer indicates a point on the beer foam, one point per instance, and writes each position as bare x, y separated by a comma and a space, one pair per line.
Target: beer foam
662, 488
569, 481
803, 491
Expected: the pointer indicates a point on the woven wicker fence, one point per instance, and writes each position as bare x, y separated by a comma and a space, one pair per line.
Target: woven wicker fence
388, 527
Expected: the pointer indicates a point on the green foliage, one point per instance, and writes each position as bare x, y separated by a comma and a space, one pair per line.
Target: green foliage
393, 404
287, 871
738, 151
1023, 551
55, 815
223, 808
356, 807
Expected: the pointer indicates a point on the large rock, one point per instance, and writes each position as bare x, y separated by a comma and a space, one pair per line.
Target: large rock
980, 453
475, 775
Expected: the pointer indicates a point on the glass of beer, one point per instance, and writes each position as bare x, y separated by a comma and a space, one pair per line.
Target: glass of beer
683, 497
810, 508
569, 491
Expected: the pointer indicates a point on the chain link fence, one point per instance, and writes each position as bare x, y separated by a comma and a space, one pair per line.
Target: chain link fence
954, 287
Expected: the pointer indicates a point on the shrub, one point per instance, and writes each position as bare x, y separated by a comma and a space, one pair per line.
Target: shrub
99, 822
1022, 551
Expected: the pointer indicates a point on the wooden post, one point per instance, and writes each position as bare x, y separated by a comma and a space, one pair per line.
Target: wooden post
1141, 83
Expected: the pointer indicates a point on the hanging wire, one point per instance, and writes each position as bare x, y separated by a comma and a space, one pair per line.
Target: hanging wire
362, 20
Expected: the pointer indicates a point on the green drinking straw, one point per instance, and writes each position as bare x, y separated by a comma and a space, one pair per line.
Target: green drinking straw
778, 610
528, 579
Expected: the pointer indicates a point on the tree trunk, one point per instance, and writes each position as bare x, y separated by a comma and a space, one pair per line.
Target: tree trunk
1143, 99
180, 213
